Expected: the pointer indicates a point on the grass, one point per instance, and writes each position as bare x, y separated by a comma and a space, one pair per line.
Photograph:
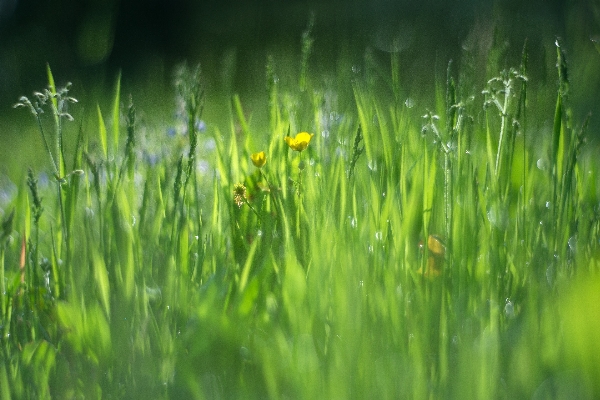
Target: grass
405, 253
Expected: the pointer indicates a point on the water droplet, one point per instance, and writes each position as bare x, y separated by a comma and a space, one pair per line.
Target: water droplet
372, 164
311, 162
245, 353
361, 283
370, 248
509, 309
259, 233
89, 212
409, 103
353, 222
356, 69
541, 164
548, 204
573, 243
325, 134
378, 235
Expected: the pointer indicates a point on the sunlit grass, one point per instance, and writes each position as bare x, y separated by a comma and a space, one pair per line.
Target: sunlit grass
356, 247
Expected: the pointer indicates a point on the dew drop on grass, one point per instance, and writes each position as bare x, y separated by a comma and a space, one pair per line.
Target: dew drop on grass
496, 216
259, 233
541, 164
572, 243
325, 134
548, 204
370, 248
89, 212
245, 353
509, 309
378, 235
409, 103
372, 164
352, 221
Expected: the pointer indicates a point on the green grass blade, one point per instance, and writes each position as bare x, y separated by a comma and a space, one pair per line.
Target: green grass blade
102, 282
116, 109
102, 133
52, 88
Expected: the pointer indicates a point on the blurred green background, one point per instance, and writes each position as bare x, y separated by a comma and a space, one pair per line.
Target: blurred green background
88, 42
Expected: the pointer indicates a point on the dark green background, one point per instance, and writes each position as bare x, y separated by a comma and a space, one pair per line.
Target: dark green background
88, 42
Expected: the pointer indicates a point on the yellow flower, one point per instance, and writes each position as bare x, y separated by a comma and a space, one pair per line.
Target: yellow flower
435, 260
259, 159
300, 142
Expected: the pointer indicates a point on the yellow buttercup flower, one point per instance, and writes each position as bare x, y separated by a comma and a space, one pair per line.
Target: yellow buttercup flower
435, 260
258, 159
300, 142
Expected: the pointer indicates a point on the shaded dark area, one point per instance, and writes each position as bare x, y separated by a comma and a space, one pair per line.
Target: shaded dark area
92, 39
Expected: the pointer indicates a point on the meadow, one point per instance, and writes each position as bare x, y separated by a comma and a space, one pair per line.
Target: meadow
354, 242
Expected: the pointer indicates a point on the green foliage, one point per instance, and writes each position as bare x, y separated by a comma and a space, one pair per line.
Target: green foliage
405, 253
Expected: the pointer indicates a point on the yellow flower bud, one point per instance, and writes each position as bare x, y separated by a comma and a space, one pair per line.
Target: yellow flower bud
300, 142
259, 159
